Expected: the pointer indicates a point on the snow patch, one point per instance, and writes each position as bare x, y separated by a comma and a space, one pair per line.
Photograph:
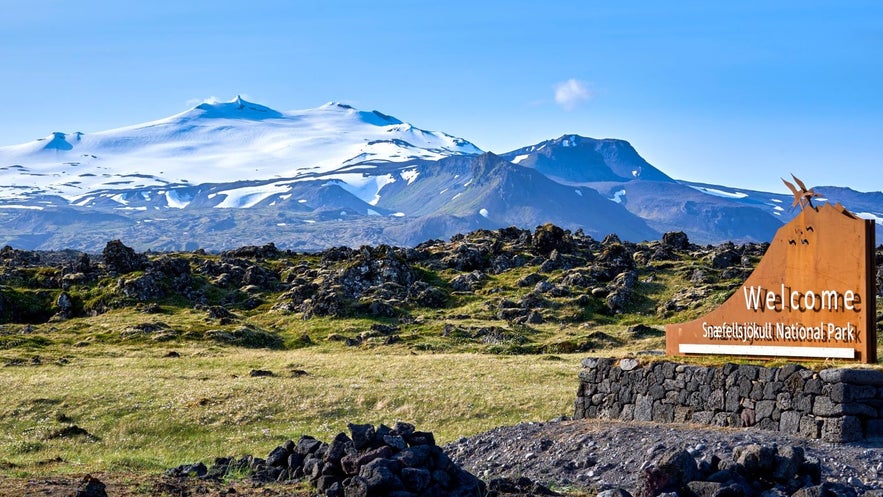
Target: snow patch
776, 200
409, 175
719, 193
366, 188
483, 212
175, 200
877, 218
398, 214
519, 158
26, 207
246, 197
617, 196
578, 192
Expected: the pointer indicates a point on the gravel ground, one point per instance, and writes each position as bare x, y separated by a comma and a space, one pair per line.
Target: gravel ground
595, 454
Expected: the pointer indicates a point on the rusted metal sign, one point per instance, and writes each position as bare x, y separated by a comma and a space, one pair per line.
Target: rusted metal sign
812, 295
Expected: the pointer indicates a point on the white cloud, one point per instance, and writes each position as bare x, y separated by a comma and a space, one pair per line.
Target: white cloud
571, 93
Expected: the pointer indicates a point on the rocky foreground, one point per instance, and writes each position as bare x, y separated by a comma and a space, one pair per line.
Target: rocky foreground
563, 457
560, 457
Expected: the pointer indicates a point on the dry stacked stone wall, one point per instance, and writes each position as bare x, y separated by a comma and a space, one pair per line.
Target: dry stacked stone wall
835, 405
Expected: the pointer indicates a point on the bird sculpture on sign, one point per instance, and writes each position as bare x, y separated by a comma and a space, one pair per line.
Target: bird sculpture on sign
802, 196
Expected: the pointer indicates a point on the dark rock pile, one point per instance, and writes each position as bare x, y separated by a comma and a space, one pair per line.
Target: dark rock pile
382, 461
755, 470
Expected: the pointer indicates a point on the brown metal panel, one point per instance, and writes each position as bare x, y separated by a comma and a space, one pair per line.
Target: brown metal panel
811, 295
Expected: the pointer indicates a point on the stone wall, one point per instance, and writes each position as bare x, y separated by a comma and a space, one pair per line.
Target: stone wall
836, 405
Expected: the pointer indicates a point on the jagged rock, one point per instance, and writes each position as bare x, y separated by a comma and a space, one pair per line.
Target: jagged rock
686, 298
518, 486
468, 257
548, 237
530, 280
676, 240
260, 277
621, 291
362, 435
65, 306
543, 287
121, 259
220, 313
268, 251
467, 282
725, 258
699, 277
371, 271
673, 471
616, 257
426, 295
144, 288
18, 258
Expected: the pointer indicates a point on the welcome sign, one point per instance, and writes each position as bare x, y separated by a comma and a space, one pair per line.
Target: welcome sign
812, 295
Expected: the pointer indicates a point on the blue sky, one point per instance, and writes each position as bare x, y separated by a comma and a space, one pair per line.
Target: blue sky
738, 93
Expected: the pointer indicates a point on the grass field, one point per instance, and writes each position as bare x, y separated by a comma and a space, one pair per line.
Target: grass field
136, 410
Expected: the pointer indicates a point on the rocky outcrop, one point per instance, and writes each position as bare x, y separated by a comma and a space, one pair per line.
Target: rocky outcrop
566, 270
121, 259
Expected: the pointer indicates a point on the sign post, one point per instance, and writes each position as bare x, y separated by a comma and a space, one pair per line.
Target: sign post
812, 294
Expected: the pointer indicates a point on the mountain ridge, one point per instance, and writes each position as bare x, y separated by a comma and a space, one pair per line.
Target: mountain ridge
234, 173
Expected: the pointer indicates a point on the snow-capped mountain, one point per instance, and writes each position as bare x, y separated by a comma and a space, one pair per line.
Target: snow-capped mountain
215, 143
506, 194
577, 159
236, 173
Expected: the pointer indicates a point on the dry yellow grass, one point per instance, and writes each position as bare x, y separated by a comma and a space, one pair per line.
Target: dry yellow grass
148, 412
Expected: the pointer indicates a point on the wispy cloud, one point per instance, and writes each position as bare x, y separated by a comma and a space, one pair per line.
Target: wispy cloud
571, 93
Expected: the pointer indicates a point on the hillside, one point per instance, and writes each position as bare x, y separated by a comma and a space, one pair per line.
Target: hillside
507, 290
